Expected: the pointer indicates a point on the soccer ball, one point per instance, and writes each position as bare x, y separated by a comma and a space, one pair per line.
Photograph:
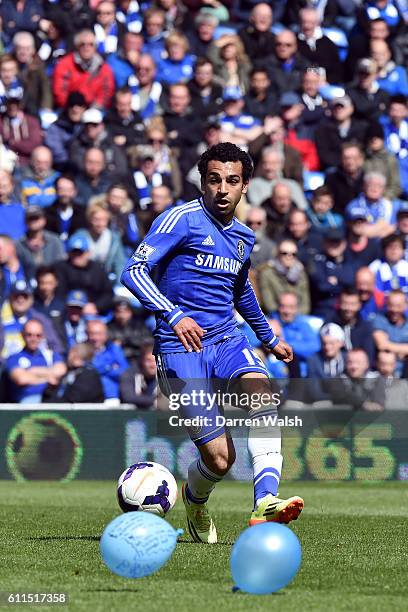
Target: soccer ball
147, 486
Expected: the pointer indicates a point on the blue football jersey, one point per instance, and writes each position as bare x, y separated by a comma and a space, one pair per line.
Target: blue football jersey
200, 268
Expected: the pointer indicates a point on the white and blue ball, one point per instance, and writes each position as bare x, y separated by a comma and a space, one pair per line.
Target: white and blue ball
137, 544
147, 486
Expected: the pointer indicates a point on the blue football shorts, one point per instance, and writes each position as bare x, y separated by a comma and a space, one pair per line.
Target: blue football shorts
188, 374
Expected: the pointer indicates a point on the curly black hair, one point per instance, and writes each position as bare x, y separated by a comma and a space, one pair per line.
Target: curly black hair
225, 152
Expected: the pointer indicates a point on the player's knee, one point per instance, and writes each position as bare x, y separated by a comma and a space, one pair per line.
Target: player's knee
223, 460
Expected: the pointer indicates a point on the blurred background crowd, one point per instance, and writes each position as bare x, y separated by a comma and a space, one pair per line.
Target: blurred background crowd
105, 108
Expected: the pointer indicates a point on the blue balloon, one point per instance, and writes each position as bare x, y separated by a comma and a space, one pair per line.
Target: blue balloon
136, 544
265, 558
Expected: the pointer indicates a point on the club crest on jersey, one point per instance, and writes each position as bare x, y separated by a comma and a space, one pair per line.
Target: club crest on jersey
143, 251
241, 249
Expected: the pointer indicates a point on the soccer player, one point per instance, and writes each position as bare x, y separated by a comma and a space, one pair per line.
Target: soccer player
199, 254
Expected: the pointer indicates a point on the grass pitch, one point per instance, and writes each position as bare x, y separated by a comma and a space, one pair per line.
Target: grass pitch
354, 539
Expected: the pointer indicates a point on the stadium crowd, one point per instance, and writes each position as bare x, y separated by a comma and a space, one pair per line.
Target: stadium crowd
105, 109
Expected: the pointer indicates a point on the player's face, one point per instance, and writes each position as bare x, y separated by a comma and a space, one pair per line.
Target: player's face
223, 187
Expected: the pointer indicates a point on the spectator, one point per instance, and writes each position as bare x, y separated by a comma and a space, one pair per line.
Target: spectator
314, 104
329, 273
81, 384
38, 181
263, 248
360, 249
38, 247
396, 131
146, 89
286, 65
20, 310
127, 329
10, 85
358, 333
12, 218
390, 77
54, 36
94, 178
320, 212
177, 65
380, 160
257, 38
20, 133
370, 102
162, 199
24, 16
31, 74
108, 31
164, 158
154, 33
104, 243
205, 93
32, 368
83, 70
339, 127
326, 365
231, 64
138, 384
278, 207
346, 182
236, 126
396, 390
65, 216
124, 126
123, 220
271, 172
95, 136
125, 61
79, 13
201, 38
391, 270
260, 100
391, 328
372, 300
183, 127
109, 359
60, 134
299, 134
281, 274
296, 329
177, 15
274, 135
360, 387
146, 176
11, 268
327, 11
46, 301
402, 225
381, 213
380, 9
71, 326
80, 272
317, 48
307, 239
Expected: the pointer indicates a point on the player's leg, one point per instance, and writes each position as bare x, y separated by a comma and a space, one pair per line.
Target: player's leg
216, 457
264, 446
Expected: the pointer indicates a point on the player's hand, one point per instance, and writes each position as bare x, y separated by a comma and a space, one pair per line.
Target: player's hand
189, 333
283, 351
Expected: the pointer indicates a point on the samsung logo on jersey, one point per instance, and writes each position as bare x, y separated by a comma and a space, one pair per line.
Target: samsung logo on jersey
216, 262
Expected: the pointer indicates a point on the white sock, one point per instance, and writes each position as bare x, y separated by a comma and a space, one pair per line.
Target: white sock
200, 482
264, 446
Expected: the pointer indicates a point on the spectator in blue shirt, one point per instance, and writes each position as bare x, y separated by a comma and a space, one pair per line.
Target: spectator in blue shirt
38, 183
46, 300
125, 61
391, 270
237, 126
391, 329
381, 213
11, 268
390, 77
320, 212
154, 35
71, 325
145, 87
31, 369
109, 359
396, 135
177, 67
12, 216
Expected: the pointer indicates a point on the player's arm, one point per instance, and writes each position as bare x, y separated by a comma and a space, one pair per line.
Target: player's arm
167, 233
248, 307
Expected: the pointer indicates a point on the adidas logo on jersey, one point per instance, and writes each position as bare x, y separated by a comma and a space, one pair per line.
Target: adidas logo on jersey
208, 241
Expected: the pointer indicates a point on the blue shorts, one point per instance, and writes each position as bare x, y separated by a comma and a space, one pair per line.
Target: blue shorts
186, 373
